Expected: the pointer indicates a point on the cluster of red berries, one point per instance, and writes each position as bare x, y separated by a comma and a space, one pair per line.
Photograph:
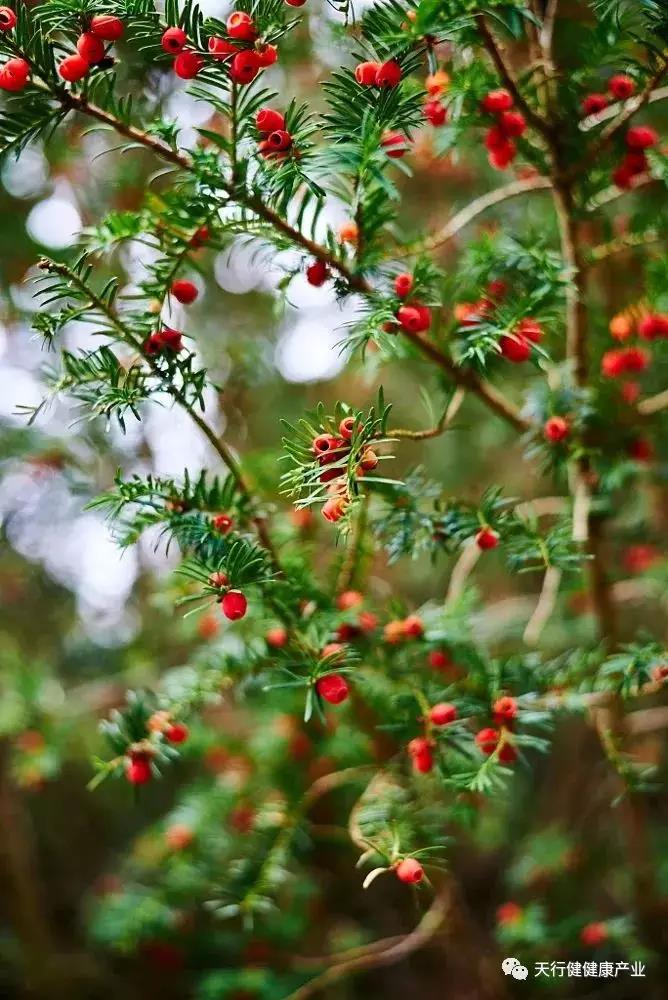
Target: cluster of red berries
504, 712
365, 621
138, 769
624, 361
639, 138
413, 317
328, 449
247, 54
403, 629
472, 313
509, 125
233, 603
435, 111
91, 50
620, 88
166, 341
375, 74
276, 142
517, 345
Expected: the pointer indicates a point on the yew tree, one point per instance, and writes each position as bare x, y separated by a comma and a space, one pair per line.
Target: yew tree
329, 699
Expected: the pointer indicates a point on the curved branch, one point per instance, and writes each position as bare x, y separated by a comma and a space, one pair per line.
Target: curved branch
375, 956
474, 209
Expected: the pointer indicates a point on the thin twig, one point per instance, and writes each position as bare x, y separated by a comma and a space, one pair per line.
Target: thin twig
653, 404
448, 415
472, 211
462, 570
628, 242
544, 607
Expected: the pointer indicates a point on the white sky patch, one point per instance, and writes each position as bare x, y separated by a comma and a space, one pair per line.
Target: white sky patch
308, 353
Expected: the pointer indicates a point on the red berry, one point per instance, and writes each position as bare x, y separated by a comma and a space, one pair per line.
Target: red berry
495, 138
14, 75
403, 283
268, 55
513, 123
234, 605
653, 325
184, 291
349, 599
188, 64
177, 732
556, 429
138, 769
395, 144
497, 100
276, 637
369, 460
622, 177
222, 523
419, 746
388, 74
324, 444
279, 140
504, 710
333, 688
443, 714
220, 48
334, 509
423, 762
594, 934
346, 428
368, 622
199, 238
90, 47
641, 137
414, 318
240, 25
515, 348
245, 67
164, 341
621, 86
267, 120
438, 660
530, 329
508, 913
409, 871
73, 68
179, 836
317, 273
487, 740
107, 26
497, 289
7, 19
295, 3
173, 40
487, 538
593, 104
660, 673
630, 392
641, 450
365, 73
413, 627
502, 156
218, 580
435, 113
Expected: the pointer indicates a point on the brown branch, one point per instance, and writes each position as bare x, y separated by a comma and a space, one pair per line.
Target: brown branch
653, 404
469, 380
374, 956
504, 71
628, 242
544, 607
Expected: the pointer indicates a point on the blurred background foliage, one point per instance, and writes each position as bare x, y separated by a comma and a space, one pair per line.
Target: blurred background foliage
101, 895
